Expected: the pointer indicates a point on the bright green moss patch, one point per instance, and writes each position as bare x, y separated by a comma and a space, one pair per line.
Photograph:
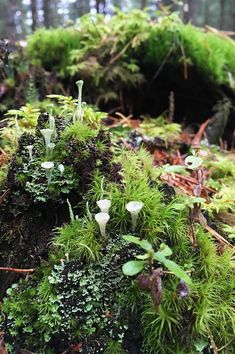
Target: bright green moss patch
78, 131
85, 51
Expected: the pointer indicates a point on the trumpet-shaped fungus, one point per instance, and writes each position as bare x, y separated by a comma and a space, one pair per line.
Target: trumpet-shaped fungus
134, 208
102, 219
104, 205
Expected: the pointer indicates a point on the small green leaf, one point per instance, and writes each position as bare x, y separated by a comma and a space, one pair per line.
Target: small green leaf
200, 345
193, 162
133, 267
173, 267
142, 243
165, 250
142, 256
173, 168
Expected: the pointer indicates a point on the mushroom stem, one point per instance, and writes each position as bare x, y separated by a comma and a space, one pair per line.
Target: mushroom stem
134, 208
49, 174
102, 219
134, 218
47, 133
79, 85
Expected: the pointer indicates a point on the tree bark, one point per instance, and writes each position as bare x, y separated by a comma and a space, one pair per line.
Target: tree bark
207, 12
11, 25
34, 14
143, 4
46, 13
222, 13
194, 6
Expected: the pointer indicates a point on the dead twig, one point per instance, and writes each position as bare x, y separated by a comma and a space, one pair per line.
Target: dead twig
218, 237
16, 270
226, 345
213, 345
197, 138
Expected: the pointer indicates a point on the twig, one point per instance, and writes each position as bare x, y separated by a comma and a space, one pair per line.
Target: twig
167, 272
171, 106
223, 34
128, 146
218, 237
184, 62
112, 60
163, 63
226, 345
197, 138
213, 345
16, 270
3, 196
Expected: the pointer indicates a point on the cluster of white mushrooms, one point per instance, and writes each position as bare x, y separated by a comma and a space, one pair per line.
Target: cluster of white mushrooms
102, 218
48, 133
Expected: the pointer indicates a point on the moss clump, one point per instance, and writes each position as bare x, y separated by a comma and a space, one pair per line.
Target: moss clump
36, 206
59, 40
132, 43
86, 299
73, 303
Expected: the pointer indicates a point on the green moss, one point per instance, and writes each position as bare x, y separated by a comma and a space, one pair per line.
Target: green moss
210, 54
51, 47
78, 131
113, 347
82, 51
79, 240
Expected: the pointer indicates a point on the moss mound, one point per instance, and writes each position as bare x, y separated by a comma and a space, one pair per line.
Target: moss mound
31, 207
79, 299
132, 64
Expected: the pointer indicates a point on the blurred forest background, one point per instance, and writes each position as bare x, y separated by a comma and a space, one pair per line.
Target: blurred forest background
21, 17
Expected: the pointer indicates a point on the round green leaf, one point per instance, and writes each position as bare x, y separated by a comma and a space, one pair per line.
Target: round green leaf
133, 267
193, 162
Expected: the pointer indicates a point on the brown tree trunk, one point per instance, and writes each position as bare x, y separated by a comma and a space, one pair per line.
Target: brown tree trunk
46, 13
194, 6
222, 13
207, 12
11, 25
143, 4
34, 14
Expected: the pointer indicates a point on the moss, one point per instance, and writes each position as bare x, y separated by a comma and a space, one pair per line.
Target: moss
78, 131
50, 48
148, 43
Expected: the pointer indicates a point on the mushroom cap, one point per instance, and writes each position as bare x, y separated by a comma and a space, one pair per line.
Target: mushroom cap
47, 165
134, 207
102, 218
79, 83
104, 203
61, 167
46, 132
29, 147
51, 145
193, 162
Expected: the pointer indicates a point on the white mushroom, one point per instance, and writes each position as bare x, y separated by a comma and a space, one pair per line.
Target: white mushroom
102, 219
51, 147
47, 133
48, 165
79, 85
52, 122
30, 150
84, 104
104, 205
61, 168
134, 208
